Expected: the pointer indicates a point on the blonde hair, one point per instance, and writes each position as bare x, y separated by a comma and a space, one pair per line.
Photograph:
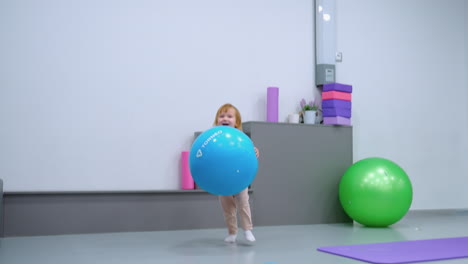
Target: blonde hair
224, 108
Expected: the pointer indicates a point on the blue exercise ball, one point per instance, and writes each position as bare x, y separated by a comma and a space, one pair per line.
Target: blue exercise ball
223, 161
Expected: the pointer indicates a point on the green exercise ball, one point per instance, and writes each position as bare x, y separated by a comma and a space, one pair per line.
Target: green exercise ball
375, 192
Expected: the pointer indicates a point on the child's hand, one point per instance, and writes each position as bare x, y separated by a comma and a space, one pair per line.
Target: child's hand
257, 153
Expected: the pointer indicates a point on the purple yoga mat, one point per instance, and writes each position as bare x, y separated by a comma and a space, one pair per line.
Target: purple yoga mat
272, 104
405, 251
338, 87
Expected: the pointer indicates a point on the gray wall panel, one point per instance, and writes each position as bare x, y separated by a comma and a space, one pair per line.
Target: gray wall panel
52, 214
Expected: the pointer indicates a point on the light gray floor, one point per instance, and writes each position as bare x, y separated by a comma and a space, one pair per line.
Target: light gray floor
275, 244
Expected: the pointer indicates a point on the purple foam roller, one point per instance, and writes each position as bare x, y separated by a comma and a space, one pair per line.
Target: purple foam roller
272, 104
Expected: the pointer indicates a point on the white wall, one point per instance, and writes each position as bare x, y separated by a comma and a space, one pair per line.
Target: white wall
404, 59
104, 95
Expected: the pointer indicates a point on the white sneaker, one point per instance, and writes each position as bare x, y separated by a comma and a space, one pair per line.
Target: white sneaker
249, 236
230, 239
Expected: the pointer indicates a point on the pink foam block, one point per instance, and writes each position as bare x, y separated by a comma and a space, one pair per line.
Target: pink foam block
336, 95
187, 180
337, 120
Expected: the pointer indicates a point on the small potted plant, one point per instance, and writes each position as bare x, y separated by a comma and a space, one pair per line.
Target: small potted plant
309, 111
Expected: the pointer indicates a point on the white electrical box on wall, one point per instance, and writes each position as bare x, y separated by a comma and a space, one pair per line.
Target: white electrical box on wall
325, 41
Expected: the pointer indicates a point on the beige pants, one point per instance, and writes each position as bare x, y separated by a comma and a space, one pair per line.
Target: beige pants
230, 205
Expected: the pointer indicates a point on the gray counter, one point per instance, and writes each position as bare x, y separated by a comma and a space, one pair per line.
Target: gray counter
297, 183
1, 208
300, 168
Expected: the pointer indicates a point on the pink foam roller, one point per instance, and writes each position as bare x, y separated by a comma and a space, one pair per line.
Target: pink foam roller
336, 95
187, 180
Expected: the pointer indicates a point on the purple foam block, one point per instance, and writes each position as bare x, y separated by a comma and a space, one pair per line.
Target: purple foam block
336, 104
338, 87
404, 251
272, 104
337, 120
336, 112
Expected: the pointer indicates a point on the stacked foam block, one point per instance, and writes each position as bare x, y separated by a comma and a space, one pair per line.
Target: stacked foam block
336, 104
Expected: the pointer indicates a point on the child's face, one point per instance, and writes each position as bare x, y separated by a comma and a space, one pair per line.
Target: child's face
227, 118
